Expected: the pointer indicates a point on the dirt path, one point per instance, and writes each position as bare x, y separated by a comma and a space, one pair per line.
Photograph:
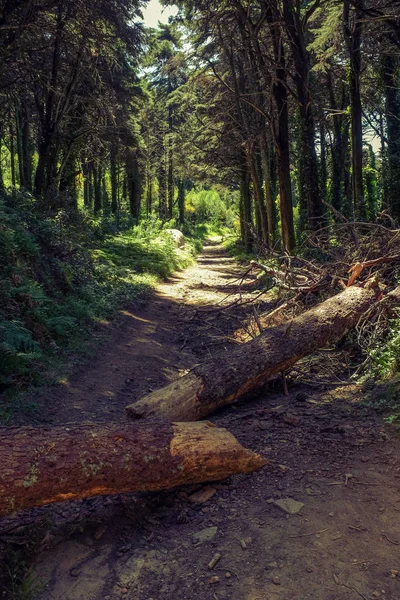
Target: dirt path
325, 451
150, 347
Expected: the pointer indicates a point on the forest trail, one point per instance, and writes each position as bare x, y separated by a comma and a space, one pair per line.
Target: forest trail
149, 347
325, 450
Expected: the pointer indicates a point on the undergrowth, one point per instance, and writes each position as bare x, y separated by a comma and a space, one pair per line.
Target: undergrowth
385, 359
59, 276
385, 370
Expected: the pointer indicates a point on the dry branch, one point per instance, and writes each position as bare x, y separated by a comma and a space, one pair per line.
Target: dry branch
356, 270
223, 380
41, 465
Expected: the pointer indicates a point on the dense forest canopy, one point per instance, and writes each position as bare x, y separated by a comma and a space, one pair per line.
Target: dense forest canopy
272, 118
293, 104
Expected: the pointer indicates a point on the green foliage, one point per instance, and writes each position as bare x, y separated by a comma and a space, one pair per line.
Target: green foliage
234, 247
212, 206
385, 399
60, 275
386, 357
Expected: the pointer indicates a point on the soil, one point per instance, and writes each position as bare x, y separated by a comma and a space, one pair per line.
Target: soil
326, 450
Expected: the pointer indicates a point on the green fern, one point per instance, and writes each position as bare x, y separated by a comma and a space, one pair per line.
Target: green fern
14, 337
32, 289
61, 326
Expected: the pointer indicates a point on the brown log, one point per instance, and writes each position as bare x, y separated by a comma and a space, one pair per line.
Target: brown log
41, 465
224, 379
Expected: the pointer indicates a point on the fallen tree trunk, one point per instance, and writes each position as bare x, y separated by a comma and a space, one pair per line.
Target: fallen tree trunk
223, 380
52, 464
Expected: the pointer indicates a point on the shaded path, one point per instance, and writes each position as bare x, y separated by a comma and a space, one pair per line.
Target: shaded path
325, 451
149, 348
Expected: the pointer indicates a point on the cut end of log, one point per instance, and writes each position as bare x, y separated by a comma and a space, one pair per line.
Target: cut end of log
178, 401
192, 439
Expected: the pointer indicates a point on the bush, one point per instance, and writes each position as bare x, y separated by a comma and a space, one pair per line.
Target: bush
386, 357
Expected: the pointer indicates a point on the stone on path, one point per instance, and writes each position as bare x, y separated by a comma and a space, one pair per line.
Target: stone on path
289, 506
205, 535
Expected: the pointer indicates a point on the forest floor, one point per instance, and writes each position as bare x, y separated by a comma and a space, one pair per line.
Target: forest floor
326, 450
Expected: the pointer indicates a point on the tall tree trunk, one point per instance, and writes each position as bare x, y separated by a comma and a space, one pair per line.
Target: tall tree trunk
1, 160
245, 209
12, 155
170, 155
149, 190
104, 193
97, 192
340, 144
283, 152
352, 34
86, 182
265, 149
391, 81
114, 177
47, 160
68, 180
18, 135
170, 183
24, 145
323, 168
348, 206
258, 195
281, 136
309, 184
133, 182
181, 201
162, 189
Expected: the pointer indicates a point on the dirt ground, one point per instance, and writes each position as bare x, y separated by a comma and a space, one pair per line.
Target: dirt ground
326, 451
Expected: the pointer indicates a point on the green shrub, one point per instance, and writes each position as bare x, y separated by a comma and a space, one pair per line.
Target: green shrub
386, 357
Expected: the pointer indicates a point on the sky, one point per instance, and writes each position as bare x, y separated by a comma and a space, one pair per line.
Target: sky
155, 12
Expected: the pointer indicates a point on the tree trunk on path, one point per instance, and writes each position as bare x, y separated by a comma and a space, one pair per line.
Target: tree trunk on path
41, 465
223, 380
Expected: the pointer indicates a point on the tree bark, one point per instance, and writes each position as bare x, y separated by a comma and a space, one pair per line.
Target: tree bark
47, 150
391, 79
162, 187
269, 197
281, 136
133, 178
12, 156
24, 144
339, 147
246, 220
221, 381
352, 36
97, 176
42, 465
258, 194
323, 165
181, 201
114, 177
309, 184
